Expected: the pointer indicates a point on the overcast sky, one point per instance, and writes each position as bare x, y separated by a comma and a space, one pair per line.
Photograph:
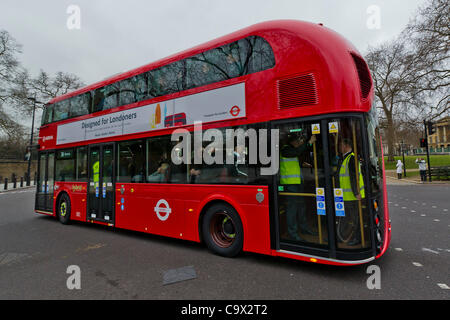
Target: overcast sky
116, 36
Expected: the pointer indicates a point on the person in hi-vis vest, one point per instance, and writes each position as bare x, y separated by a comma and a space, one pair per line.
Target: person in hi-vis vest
292, 180
96, 176
353, 190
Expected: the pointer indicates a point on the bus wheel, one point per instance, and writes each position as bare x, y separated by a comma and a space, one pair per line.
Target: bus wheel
64, 209
222, 230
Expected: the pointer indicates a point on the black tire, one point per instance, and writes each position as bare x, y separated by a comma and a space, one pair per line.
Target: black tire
222, 230
64, 209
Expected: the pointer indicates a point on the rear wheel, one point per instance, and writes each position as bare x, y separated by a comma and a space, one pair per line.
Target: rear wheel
64, 209
222, 230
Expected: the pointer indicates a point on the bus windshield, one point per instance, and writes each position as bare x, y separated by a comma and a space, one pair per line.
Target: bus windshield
374, 144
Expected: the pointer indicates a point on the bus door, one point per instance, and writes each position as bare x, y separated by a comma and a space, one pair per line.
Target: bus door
46, 180
100, 206
349, 184
302, 191
321, 188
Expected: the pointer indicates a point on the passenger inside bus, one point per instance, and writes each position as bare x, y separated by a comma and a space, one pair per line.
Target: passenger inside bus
291, 154
237, 171
161, 174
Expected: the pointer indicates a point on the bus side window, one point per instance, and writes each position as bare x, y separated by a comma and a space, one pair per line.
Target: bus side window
131, 162
81, 169
111, 99
64, 165
127, 92
79, 105
61, 110
99, 99
160, 167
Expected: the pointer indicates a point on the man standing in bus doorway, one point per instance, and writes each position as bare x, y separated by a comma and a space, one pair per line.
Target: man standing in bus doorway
349, 185
96, 176
291, 178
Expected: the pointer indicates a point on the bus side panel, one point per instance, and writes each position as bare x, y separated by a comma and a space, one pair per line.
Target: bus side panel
174, 210
152, 208
77, 192
254, 214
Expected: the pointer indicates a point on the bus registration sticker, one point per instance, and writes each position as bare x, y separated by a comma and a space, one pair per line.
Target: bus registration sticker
320, 200
339, 202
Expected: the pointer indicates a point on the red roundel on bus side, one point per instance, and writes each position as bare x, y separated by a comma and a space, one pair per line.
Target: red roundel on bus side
235, 111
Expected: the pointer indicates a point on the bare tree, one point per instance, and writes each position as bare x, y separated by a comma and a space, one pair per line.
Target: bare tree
411, 72
9, 64
43, 88
429, 34
389, 71
17, 86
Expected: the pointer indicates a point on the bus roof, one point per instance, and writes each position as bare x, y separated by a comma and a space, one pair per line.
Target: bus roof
317, 35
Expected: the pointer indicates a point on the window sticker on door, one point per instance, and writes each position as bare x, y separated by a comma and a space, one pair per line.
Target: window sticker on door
320, 200
339, 202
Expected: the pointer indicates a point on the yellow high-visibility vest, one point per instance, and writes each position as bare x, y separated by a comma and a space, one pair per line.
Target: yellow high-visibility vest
96, 171
290, 171
344, 180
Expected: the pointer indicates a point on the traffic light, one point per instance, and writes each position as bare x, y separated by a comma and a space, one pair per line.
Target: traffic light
431, 128
423, 142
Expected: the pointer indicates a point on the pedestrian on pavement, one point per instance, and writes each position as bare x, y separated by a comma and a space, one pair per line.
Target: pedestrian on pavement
399, 169
422, 169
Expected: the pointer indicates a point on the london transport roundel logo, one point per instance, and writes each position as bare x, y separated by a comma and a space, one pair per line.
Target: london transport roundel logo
234, 111
162, 210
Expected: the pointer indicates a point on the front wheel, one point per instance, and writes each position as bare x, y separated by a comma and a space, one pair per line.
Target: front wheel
64, 209
222, 230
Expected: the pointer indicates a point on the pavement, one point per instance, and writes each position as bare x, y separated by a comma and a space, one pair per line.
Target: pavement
10, 186
391, 178
39, 256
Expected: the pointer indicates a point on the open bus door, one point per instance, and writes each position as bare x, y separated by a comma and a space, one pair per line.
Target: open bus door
46, 182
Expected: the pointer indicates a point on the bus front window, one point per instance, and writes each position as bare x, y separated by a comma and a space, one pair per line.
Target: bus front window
374, 141
376, 175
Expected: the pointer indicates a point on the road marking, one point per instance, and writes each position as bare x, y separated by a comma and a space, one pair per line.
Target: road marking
11, 257
429, 250
413, 211
424, 204
445, 210
423, 215
398, 249
443, 286
417, 264
91, 247
437, 220
434, 207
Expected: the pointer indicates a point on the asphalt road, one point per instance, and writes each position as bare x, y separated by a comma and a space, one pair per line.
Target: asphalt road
36, 251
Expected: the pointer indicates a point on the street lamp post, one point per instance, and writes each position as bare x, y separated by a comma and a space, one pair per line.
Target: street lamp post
404, 163
30, 147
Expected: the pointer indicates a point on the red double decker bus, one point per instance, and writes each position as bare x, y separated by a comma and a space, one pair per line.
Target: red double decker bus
307, 181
